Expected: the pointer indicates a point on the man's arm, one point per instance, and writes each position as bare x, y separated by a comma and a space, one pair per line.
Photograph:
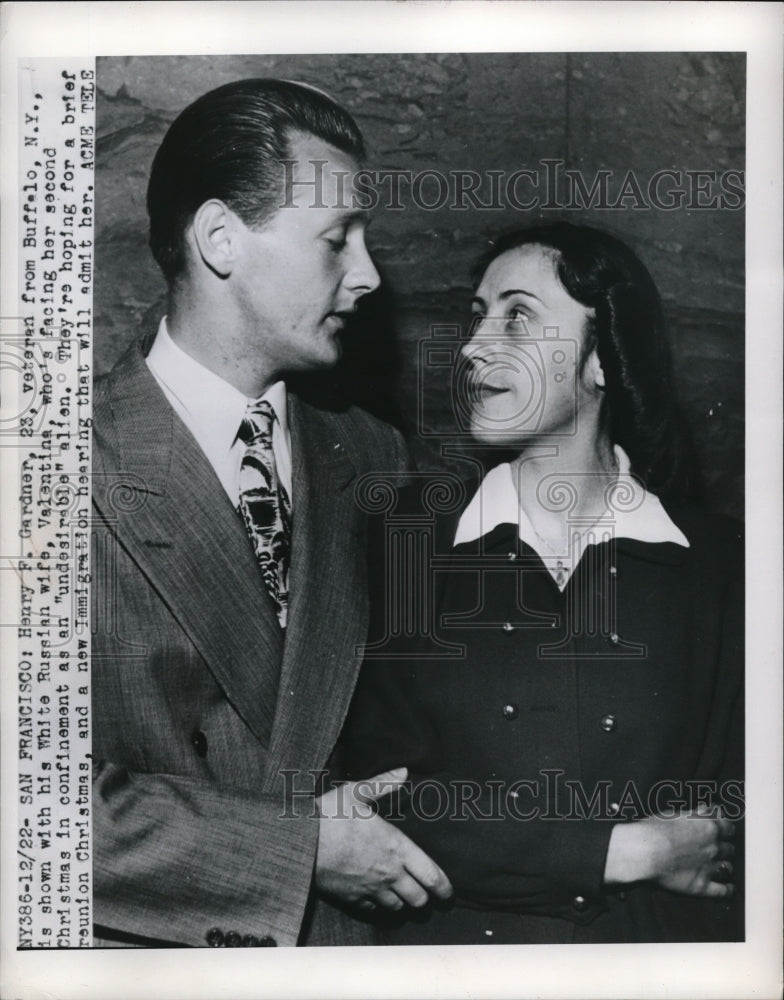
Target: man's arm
364, 860
177, 857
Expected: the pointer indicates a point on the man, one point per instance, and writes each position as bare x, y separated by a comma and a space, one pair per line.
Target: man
229, 562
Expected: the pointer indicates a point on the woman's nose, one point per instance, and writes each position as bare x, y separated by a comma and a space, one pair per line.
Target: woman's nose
472, 348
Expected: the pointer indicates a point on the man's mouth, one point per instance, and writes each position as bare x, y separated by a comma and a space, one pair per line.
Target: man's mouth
336, 320
340, 317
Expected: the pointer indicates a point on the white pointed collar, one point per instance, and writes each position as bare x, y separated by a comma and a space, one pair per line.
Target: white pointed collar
636, 514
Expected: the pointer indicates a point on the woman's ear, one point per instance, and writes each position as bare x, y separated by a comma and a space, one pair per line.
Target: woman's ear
213, 234
593, 371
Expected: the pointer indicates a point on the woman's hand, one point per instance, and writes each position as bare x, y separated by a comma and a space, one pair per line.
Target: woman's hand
690, 853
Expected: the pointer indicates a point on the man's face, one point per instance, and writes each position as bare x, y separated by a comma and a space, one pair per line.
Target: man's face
301, 274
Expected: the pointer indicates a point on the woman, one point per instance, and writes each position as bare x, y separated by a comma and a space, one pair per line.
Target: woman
573, 723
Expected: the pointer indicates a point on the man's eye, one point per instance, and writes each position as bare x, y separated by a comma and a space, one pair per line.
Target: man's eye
336, 243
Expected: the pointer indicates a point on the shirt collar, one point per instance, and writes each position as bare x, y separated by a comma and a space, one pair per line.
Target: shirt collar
637, 514
212, 404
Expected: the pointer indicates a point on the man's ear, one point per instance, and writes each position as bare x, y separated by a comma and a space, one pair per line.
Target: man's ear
213, 231
593, 371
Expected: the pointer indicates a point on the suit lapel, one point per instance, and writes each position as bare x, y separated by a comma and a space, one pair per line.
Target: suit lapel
174, 518
328, 609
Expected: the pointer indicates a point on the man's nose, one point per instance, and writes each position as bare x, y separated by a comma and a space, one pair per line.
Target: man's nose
362, 276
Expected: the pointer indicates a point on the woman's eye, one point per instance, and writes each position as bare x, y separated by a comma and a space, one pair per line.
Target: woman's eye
517, 317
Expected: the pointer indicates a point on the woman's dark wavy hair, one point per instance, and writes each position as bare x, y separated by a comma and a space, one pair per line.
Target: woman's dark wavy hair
628, 331
229, 144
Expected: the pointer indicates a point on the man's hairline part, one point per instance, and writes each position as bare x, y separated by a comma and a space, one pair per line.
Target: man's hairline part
290, 134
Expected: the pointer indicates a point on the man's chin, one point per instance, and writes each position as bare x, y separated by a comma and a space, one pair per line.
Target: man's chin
327, 358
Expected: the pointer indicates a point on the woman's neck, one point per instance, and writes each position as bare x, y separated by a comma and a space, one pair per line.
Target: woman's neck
564, 482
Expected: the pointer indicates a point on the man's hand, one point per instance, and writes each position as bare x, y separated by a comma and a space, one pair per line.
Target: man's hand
366, 861
690, 854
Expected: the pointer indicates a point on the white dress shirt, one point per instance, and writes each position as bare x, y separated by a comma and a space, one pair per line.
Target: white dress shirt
212, 410
632, 513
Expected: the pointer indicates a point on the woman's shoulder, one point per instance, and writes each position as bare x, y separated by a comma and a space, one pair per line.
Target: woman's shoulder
711, 534
703, 522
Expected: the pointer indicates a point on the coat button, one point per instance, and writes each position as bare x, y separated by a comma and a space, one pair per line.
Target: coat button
214, 937
511, 711
614, 808
508, 627
250, 941
579, 903
613, 638
613, 571
199, 742
233, 940
268, 942
609, 723
511, 556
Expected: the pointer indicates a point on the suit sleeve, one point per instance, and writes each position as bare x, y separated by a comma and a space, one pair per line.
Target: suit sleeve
187, 842
183, 842
176, 857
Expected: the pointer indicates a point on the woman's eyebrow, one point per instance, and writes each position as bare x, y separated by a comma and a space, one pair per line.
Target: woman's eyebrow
478, 301
518, 291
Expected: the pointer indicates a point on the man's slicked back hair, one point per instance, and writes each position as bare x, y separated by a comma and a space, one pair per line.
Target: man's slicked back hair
229, 145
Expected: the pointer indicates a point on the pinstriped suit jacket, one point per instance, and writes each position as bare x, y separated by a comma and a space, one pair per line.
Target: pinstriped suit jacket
205, 719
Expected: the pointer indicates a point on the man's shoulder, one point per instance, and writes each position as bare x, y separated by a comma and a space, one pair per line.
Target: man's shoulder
363, 422
128, 408
368, 441
125, 373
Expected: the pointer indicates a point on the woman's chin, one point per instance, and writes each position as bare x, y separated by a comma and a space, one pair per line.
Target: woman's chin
500, 436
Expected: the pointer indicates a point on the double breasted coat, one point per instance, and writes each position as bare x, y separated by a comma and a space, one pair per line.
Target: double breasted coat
533, 720
207, 719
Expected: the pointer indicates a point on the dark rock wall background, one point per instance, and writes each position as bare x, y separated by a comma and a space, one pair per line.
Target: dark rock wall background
640, 112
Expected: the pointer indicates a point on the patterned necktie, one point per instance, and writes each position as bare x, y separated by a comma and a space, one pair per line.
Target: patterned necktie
264, 504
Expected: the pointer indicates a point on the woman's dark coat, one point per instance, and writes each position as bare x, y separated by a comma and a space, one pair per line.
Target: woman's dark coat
532, 721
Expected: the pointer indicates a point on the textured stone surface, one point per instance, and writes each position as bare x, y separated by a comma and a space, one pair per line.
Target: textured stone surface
642, 112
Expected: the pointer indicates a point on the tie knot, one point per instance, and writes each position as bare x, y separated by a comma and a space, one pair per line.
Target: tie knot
256, 425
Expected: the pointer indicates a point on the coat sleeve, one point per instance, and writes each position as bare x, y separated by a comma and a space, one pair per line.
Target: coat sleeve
177, 857
185, 840
188, 840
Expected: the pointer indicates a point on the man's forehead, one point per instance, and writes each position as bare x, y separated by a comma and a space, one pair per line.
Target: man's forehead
318, 175
306, 148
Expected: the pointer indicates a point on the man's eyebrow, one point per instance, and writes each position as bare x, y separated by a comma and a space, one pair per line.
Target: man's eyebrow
349, 218
476, 300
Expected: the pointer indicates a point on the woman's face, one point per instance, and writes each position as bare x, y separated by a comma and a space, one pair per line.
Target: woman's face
520, 369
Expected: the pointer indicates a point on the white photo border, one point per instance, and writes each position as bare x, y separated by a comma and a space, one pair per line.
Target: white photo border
733, 970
